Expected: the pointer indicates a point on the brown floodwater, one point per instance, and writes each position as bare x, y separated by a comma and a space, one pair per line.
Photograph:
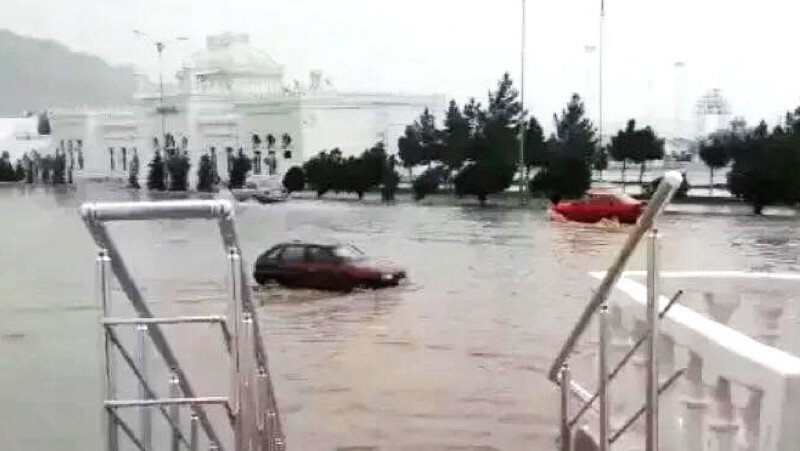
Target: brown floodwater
454, 359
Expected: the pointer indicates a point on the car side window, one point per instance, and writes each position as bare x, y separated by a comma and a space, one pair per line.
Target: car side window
273, 254
293, 254
321, 255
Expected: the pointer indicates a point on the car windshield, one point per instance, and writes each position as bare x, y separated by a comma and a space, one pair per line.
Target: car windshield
348, 252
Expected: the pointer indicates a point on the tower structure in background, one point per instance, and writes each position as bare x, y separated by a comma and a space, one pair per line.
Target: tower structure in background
679, 118
713, 112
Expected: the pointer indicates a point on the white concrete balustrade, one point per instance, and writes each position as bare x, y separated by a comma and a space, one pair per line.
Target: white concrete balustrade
739, 392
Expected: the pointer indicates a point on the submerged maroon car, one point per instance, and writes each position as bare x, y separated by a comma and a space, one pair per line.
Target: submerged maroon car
327, 267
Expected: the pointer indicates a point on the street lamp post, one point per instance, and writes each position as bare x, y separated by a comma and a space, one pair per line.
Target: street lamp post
160, 50
600, 74
522, 127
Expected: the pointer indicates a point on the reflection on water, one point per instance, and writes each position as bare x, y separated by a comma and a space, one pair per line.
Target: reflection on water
453, 359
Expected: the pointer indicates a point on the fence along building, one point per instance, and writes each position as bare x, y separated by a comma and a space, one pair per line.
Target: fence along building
225, 94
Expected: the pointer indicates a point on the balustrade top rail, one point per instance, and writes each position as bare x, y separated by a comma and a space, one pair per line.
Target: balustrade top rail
728, 354
666, 189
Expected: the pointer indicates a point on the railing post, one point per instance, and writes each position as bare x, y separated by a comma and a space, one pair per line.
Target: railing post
566, 434
246, 373
145, 413
651, 395
234, 324
174, 411
603, 370
194, 422
103, 277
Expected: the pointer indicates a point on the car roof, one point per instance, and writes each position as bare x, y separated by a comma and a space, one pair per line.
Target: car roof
304, 243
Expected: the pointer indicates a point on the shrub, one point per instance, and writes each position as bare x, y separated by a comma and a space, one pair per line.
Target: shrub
480, 179
205, 175
295, 179
178, 168
239, 169
155, 177
428, 182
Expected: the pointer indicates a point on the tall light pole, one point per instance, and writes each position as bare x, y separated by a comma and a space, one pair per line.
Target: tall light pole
160, 50
522, 113
600, 75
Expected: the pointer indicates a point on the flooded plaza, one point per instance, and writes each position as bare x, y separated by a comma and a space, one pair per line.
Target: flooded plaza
453, 359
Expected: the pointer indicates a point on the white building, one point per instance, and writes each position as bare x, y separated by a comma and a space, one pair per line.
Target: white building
19, 135
225, 94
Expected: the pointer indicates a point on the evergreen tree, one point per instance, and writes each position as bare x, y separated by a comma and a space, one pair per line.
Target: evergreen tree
205, 175
390, 179
535, 149
456, 137
7, 173
494, 149
295, 179
716, 153
429, 181
622, 147
43, 124
649, 147
600, 160
178, 168
19, 171
240, 166
765, 165
569, 152
59, 168
155, 177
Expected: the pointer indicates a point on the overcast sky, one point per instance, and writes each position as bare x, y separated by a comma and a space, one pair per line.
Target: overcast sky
460, 47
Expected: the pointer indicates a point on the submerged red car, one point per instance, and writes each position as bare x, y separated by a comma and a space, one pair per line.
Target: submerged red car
597, 206
327, 267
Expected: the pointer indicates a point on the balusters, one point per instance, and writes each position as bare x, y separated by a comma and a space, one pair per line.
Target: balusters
103, 277
566, 434
769, 312
720, 310
639, 374
653, 308
194, 423
668, 405
723, 428
602, 385
621, 341
695, 405
751, 420
235, 323
174, 411
142, 362
246, 375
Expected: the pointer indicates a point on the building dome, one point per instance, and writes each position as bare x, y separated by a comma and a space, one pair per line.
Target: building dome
232, 53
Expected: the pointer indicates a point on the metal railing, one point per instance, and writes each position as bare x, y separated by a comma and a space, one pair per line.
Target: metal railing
251, 407
559, 371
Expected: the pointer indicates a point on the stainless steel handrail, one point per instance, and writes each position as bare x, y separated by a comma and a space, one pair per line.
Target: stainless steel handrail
666, 189
95, 215
102, 239
623, 361
142, 380
210, 319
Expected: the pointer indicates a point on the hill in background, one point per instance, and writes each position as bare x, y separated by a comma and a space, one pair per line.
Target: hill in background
38, 74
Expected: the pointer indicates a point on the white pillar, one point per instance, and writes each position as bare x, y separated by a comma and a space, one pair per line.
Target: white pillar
724, 427
695, 406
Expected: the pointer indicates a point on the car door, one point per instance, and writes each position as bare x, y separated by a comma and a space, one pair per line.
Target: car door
292, 265
268, 265
322, 267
